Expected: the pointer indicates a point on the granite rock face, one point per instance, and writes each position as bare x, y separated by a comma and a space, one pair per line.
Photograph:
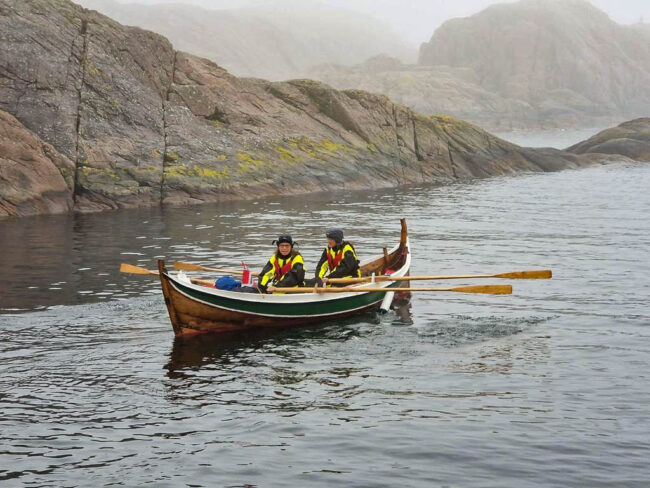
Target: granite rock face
227, 134
630, 139
126, 73
41, 46
139, 124
34, 177
94, 90
563, 57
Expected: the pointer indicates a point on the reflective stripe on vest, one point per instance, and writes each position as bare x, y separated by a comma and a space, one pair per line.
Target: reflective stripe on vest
281, 271
277, 272
335, 258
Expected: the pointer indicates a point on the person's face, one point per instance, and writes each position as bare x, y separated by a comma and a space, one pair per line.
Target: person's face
284, 248
331, 242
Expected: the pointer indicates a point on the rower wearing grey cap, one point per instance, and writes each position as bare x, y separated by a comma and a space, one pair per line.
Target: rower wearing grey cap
339, 259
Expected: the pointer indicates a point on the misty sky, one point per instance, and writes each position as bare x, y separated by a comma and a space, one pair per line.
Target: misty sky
415, 20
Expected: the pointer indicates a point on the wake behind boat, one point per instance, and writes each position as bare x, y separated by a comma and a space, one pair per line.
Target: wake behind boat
195, 309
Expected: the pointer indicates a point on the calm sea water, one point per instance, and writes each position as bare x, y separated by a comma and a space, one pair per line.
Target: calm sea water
547, 387
557, 138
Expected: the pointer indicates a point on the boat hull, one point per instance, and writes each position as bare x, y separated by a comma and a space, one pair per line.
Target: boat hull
198, 313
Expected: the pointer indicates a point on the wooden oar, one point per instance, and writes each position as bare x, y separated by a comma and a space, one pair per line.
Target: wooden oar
489, 289
129, 268
197, 267
542, 274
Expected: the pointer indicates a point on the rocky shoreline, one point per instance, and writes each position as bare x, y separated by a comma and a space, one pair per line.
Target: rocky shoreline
97, 116
630, 139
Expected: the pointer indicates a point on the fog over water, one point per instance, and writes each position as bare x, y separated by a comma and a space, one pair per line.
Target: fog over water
415, 20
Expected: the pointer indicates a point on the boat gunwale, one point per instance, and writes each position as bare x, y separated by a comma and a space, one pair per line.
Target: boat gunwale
287, 299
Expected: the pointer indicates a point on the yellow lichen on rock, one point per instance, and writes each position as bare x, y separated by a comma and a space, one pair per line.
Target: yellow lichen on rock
287, 155
318, 149
171, 157
90, 68
248, 164
210, 173
176, 170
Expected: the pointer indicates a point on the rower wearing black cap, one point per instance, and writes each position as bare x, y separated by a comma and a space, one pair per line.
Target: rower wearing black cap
339, 260
285, 268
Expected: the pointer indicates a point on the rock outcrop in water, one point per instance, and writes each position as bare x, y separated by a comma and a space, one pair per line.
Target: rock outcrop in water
630, 139
142, 124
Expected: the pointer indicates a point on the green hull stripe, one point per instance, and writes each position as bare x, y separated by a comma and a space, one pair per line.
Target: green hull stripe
305, 309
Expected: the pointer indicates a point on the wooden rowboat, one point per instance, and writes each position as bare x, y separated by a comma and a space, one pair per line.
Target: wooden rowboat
195, 309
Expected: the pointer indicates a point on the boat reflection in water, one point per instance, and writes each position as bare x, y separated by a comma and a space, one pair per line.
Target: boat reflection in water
239, 347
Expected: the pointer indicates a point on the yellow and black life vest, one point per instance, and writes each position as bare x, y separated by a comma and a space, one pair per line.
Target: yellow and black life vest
279, 267
334, 258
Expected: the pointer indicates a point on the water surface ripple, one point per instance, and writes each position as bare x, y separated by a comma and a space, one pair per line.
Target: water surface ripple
547, 387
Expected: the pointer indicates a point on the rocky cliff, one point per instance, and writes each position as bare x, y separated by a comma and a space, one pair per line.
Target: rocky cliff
128, 121
630, 139
564, 58
531, 64
434, 90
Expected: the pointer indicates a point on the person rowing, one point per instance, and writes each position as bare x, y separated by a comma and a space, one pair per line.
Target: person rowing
285, 267
339, 259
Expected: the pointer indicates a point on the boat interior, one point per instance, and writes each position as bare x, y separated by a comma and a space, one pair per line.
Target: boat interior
389, 262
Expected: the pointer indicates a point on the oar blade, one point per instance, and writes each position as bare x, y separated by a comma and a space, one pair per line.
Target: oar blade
188, 266
541, 274
489, 289
129, 268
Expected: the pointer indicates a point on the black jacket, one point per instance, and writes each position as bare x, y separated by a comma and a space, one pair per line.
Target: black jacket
347, 267
294, 277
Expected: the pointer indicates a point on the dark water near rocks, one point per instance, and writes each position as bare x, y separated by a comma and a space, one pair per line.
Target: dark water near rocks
547, 387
